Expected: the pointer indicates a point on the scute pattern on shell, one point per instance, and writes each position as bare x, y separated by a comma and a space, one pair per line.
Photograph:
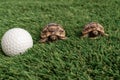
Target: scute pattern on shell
52, 29
92, 26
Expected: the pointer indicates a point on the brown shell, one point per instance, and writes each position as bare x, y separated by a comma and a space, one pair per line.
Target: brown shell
91, 27
53, 29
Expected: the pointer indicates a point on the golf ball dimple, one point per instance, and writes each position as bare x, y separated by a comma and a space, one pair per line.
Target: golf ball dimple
16, 41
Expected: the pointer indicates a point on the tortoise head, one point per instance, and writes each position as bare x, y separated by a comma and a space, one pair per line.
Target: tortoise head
53, 37
94, 33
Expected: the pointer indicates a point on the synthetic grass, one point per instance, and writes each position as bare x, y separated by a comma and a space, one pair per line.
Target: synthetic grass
71, 59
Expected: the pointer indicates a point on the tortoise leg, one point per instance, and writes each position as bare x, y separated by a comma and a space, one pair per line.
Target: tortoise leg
85, 35
43, 40
63, 38
93, 37
104, 34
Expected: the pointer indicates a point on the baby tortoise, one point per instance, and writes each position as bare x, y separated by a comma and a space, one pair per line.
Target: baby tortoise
93, 30
52, 32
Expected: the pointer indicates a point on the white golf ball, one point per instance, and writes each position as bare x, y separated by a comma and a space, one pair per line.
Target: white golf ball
16, 41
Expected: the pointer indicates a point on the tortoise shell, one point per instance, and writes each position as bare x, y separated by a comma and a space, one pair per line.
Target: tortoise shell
93, 29
52, 32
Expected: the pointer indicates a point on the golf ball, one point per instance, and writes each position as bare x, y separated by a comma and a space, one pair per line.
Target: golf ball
16, 41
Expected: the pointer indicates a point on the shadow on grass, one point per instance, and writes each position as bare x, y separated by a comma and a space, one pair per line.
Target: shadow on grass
1, 52
78, 34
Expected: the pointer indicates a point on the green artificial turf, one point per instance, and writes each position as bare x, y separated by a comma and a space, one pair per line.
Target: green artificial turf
71, 59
